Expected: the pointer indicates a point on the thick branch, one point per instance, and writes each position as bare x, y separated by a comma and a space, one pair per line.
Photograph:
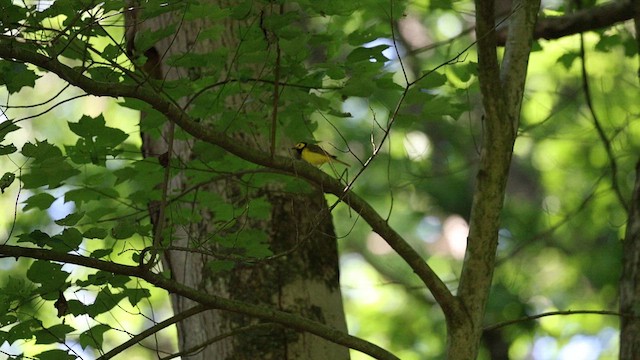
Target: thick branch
502, 90
211, 301
593, 18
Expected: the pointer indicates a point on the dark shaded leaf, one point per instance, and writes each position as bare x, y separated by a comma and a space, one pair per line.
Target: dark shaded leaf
39, 201
70, 220
14, 76
94, 337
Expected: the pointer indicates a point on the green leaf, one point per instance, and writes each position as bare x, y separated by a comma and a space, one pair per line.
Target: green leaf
7, 149
433, 80
49, 166
100, 253
109, 6
71, 219
135, 295
441, 106
260, 208
55, 355
104, 74
98, 213
124, 229
358, 87
54, 334
15, 76
6, 180
465, 71
84, 195
607, 42
7, 319
95, 233
190, 60
97, 141
11, 14
249, 242
39, 201
210, 11
218, 266
95, 128
104, 277
105, 301
146, 39
111, 52
94, 337
6, 127
568, 58
50, 275
24, 330
41, 151
368, 54
36, 237
154, 9
76, 308
69, 240
49, 173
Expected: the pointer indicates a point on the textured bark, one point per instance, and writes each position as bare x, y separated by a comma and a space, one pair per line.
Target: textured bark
630, 280
502, 89
305, 281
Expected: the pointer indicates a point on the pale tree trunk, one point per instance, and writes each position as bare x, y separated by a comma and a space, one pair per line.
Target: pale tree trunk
305, 280
630, 280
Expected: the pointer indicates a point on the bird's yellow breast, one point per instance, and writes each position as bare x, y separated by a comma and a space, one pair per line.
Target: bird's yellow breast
314, 157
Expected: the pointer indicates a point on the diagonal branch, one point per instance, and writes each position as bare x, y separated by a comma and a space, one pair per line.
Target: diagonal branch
210, 301
152, 330
551, 313
11, 49
593, 18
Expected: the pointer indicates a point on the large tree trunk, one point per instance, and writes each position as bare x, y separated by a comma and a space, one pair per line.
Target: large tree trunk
303, 280
630, 280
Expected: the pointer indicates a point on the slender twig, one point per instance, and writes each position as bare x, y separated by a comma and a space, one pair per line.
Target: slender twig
153, 330
551, 313
204, 344
613, 165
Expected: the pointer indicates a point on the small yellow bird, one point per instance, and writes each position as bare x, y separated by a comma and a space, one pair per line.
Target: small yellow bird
314, 154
